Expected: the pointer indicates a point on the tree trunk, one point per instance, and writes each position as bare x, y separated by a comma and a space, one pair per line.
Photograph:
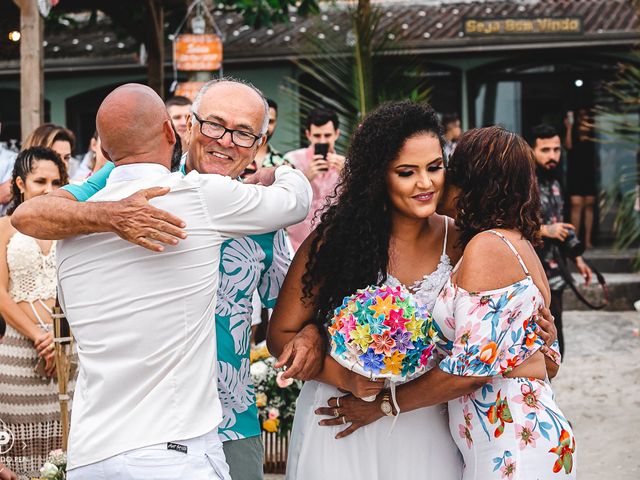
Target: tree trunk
31, 67
362, 26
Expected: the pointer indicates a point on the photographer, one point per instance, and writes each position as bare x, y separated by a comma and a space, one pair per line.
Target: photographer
320, 163
559, 237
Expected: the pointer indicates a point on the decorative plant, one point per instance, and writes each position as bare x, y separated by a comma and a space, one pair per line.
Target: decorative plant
620, 117
351, 72
275, 397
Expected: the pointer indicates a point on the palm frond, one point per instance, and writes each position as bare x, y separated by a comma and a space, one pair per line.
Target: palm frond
350, 73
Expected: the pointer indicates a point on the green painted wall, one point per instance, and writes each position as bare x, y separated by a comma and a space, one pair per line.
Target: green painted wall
59, 89
271, 81
268, 79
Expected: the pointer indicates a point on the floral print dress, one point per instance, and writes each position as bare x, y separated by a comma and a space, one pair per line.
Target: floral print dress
511, 428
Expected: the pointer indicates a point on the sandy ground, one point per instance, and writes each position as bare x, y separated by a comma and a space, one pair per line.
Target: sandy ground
598, 389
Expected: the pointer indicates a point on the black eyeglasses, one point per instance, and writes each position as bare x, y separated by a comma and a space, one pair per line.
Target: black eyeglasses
216, 131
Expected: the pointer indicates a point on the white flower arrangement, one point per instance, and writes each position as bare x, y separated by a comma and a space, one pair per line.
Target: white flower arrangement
55, 468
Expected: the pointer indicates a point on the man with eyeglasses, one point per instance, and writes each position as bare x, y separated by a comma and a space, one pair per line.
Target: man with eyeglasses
223, 137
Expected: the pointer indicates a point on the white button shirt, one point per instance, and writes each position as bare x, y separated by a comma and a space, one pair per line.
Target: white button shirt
144, 322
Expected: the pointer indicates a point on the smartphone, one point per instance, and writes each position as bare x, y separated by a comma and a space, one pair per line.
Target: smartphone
322, 149
570, 117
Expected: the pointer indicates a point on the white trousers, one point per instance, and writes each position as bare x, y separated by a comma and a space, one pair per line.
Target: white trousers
200, 458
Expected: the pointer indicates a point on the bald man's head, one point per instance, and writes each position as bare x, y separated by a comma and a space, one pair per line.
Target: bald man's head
133, 125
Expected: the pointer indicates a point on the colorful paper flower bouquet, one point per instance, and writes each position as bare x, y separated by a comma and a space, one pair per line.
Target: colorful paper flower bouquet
382, 332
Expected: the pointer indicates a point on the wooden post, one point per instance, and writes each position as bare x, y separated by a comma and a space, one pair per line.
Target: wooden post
155, 47
63, 342
31, 67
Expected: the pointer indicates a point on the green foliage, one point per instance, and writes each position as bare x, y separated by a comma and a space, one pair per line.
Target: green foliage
260, 13
621, 117
352, 72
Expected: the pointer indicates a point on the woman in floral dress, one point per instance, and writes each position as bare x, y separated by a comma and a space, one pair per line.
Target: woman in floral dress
502, 412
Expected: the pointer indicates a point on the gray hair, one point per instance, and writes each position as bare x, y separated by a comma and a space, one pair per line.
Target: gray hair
205, 88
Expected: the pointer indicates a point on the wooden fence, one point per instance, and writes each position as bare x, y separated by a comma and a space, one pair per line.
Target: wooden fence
276, 449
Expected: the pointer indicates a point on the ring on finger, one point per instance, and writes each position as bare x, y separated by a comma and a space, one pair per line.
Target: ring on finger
336, 413
338, 402
344, 420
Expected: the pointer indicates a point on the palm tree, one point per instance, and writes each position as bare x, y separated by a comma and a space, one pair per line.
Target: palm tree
351, 74
621, 116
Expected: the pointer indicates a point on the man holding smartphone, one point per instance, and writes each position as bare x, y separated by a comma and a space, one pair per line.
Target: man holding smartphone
320, 163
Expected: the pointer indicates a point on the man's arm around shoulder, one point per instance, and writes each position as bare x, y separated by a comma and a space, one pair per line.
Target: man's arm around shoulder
283, 198
59, 215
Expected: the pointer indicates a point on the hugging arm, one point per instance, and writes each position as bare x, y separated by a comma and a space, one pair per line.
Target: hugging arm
295, 337
478, 351
256, 209
65, 213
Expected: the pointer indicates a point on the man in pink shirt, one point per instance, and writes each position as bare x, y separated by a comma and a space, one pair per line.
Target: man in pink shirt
322, 169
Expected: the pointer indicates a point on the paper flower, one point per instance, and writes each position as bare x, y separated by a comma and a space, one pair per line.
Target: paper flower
371, 361
382, 332
383, 343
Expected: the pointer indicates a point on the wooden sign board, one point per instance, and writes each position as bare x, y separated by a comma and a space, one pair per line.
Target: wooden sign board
522, 26
188, 89
201, 53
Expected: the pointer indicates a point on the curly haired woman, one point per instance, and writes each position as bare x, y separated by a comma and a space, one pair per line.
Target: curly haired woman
382, 229
502, 413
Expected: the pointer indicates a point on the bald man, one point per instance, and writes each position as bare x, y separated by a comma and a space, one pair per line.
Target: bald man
146, 404
225, 112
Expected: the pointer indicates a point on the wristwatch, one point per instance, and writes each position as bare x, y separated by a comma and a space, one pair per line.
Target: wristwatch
386, 406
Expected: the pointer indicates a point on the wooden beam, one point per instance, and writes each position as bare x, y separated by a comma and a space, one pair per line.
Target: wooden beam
155, 47
31, 67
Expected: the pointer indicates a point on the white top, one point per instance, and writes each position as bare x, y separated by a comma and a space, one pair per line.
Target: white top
32, 274
427, 289
144, 322
425, 449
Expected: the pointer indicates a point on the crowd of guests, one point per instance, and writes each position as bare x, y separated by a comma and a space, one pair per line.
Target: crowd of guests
29, 406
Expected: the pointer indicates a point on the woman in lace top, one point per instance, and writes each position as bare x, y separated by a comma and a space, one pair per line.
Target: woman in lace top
493, 373
383, 228
29, 404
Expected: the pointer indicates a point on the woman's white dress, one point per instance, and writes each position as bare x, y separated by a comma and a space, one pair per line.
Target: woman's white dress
419, 447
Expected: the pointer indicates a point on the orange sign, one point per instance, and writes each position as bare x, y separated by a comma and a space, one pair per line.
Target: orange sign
198, 52
188, 89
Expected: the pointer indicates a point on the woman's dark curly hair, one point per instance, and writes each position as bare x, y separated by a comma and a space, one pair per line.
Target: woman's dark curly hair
350, 247
495, 171
24, 166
